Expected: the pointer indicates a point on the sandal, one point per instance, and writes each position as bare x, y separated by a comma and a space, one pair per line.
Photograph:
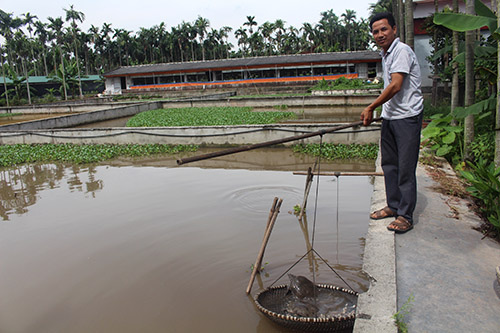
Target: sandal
382, 213
400, 225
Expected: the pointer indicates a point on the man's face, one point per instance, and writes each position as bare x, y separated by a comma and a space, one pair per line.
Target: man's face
383, 33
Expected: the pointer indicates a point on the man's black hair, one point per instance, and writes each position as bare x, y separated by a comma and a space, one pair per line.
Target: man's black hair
381, 16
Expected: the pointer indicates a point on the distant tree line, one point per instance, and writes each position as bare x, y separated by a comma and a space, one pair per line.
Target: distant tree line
59, 48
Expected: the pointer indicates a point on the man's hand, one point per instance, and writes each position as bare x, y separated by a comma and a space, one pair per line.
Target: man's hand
367, 116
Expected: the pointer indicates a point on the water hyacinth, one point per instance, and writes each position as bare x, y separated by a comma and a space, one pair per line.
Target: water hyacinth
72, 153
332, 151
206, 116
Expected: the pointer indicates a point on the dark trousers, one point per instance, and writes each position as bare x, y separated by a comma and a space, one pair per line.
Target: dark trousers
400, 145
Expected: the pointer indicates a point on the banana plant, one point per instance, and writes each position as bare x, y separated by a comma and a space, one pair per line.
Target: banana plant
464, 22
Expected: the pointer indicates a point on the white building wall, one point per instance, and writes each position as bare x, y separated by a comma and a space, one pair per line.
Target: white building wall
113, 86
422, 50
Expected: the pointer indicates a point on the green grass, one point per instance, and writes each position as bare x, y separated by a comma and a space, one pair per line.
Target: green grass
342, 83
333, 151
30, 153
271, 95
10, 114
207, 116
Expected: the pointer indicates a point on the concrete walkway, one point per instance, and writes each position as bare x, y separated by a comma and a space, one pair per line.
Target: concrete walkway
442, 263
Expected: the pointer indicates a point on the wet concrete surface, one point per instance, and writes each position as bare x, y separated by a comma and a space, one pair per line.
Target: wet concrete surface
5, 120
128, 248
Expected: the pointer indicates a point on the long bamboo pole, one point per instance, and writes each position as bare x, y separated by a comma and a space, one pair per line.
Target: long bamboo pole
267, 234
339, 173
267, 143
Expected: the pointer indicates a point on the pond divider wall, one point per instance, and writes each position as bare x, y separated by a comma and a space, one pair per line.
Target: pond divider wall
83, 118
58, 129
199, 135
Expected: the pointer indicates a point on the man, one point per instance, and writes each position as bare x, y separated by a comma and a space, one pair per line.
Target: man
402, 106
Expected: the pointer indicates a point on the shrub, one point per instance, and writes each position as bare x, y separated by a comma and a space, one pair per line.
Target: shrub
485, 186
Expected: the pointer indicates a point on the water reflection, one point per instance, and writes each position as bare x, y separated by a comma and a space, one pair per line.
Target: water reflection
19, 186
163, 249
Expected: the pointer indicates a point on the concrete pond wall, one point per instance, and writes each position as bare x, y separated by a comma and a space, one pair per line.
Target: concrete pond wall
57, 129
200, 135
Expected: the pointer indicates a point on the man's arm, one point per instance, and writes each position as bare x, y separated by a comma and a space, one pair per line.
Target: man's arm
392, 89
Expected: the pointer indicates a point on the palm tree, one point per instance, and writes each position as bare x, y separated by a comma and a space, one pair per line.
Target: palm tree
105, 43
241, 35
329, 27
279, 26
73, 16
250, 23
409, 23
42, 34
29, 22
381, 6
455, 84
7, 26
349, 16
56, 25
308, 35
266, 29
224, 32
469, 83
201, 26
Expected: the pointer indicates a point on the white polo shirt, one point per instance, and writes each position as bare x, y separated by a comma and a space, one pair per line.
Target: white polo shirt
408, 102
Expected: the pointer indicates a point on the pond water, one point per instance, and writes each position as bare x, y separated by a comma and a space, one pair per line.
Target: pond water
141, 246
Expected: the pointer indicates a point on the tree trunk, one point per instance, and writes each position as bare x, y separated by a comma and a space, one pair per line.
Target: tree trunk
26, 78
470, 37
409, 23
401, 20
63, 76
455, 83
45, 62
497, 125
79, 76
395, 12
4, 80
434, 75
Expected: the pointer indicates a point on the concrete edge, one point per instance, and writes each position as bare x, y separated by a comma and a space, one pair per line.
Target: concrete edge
378, 304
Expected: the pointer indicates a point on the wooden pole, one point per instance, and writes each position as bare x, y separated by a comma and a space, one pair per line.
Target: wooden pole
263, 246
309, 180
268, 143
338, 173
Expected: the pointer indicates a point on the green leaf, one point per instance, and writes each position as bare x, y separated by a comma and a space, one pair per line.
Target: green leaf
430, 132
483, 10
464, 22
449, 138
443, 150
477, 108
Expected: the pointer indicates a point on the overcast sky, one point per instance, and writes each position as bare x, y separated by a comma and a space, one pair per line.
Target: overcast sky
134, 14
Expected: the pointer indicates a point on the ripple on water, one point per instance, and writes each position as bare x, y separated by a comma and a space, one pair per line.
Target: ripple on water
259, 199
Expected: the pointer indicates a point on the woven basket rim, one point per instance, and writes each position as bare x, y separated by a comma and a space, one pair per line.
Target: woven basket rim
292, 318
